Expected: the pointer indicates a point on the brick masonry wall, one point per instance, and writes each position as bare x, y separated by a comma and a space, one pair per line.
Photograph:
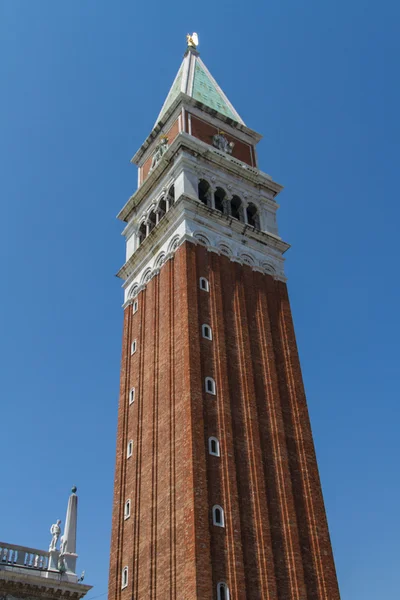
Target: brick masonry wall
171, 134
276, 543
204, 131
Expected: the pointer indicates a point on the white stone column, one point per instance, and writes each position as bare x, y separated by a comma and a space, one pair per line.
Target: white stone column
227, 204
213, 189
244, 205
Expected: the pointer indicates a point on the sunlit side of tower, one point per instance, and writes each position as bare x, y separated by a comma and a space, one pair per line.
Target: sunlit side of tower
217, 493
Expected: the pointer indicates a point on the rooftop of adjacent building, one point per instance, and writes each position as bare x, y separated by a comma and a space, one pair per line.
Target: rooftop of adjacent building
47, 573
28, 569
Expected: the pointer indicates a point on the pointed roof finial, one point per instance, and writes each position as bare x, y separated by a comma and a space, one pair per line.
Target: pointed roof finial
192, 40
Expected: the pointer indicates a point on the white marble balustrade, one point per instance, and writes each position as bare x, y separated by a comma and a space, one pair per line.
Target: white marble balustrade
21, 556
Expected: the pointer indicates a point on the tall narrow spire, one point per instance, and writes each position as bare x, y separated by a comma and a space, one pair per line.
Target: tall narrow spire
195, 80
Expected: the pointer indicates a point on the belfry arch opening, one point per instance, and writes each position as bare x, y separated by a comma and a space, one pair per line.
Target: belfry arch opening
171, 195
142, 233
253, 218
162, 208
237, 208
219, 198
152, 220
204, 192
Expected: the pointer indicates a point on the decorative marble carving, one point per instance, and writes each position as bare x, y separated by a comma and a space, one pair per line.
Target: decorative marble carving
202, 239
221, 142
55, 531
192, 40
160, 150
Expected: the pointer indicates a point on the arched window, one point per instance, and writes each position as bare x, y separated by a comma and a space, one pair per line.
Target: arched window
135, 306
253, 218
206, 332
142, 233
219, 198
223, 591
237, 208
218, 516
203, 282
171, 195
132, 395
133, 347
127, 511
129, 449
204, 192
124, 582
152, 220
213, 446
210, 385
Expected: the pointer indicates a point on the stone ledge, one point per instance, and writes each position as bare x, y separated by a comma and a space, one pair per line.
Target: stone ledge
31, 587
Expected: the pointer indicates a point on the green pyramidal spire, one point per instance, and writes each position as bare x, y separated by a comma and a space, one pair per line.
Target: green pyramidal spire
195, 80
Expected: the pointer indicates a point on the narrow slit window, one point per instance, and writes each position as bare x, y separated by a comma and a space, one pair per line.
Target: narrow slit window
124, 577
204, 284
206, 332
133, 347
210, 386
218, 516
135, 306
127, 511
223, 591
132, 395
129, 449
213, 446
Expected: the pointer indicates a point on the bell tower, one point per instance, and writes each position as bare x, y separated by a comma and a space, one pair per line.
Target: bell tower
217, 493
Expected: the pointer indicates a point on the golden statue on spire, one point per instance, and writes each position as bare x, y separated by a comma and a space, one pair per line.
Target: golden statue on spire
192, 40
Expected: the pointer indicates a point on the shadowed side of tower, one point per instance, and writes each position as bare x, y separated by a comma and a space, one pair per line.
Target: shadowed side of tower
217, 492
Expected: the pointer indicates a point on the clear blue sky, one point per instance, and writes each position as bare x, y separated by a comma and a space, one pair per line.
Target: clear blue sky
82, 83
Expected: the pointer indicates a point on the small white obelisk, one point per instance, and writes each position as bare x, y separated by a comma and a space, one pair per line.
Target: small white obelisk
68, 553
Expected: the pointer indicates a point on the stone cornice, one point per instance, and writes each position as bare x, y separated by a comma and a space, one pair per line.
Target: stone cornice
150, 244
170, 255
22, 584
198, 148
187, 207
